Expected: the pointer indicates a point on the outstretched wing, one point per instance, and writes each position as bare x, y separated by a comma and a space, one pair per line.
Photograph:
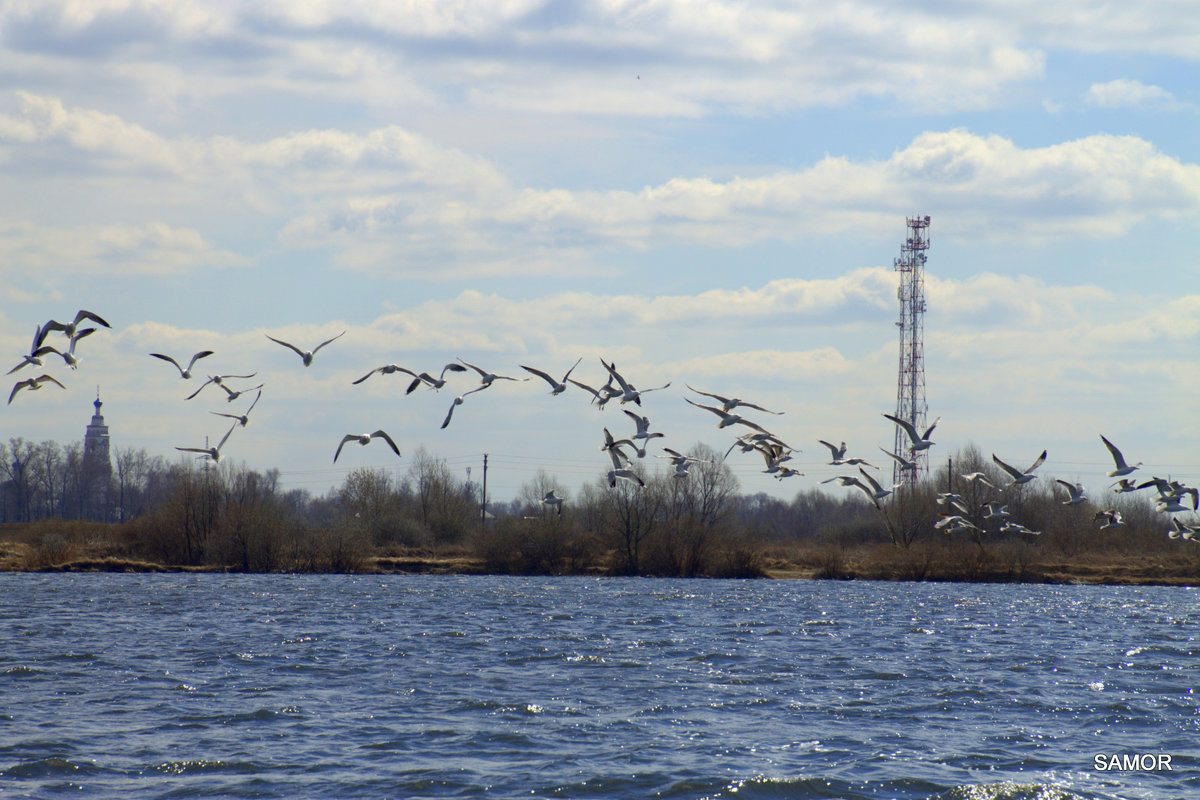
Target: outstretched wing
288, 345
327, 341
379, 434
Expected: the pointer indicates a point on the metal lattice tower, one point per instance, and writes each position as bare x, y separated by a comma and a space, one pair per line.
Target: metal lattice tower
910, 386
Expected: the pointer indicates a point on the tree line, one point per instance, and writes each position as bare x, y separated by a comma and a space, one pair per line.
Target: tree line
189, 513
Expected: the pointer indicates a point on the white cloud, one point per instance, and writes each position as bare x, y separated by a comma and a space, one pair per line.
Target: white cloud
1126, 93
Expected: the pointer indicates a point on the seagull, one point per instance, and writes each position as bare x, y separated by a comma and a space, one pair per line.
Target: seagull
952, 500
551, 499
1181, 530
977, 477
1111, 517
1119, 460
458, 401
954, 524
69, 356
242, 419
32, 384
679, 461
386, 369
434, 383
36, 351
905, 463
1125, 485
629, 394
728, 418
599, 396
918, 442
486, 378
217, 380
185, 373
1076, 490
838, 455
556, 387
211, 453
877, 492
305, 355
1019, 477
730, 403
1171, 495
235, 395
69, 328
643, 426
1016, 527
364, 439
995, 510
621, 469
774, 454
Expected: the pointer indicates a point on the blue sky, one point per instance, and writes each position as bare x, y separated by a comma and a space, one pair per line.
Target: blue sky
709, 193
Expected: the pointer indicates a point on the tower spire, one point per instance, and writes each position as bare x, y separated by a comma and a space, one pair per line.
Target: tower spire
910, 384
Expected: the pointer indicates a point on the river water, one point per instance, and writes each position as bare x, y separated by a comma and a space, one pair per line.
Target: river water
469, 686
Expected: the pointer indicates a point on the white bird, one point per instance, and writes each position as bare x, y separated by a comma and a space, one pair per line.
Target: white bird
235, 395
679, 461
305, 355
242, 419
877, 492
629, 393
977, 477
730, 403
919, 441
953, 501
774, 454
905, 463
1019, 477
1111, 517
838, 458
185, 373
69, 328
458, 401
1119, 460
556, 387
211, 453
387, 369
995, 510
954, 524
432, 382
621, 469
728, 418
1016, 527
33, 384
487, 378
643, 426
217, 379
365, 439
36, 350
1076, 490
599, 396
1171, 495
551, 499
69, 356
1125, 485
1181, 530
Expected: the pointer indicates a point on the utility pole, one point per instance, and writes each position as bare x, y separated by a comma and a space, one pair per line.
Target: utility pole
483, 499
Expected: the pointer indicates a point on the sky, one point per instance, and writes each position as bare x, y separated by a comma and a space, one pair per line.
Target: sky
706, 193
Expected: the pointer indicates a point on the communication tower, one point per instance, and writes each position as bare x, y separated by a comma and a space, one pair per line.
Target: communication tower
910, 386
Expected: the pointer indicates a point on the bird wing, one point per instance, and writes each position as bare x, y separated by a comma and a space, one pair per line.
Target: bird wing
349, 437
173, 361
482, 374
553, 383
288, 345
1011, 470
453, 368
252, 405
907, 426
381, 435
458, 400
760, 408
1118, 459
94, 317
226, 436
707, 394
327, 341
719, 412
572, 369
197, 357
1040, 460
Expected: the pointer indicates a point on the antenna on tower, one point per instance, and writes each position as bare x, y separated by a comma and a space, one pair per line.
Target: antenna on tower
910, 385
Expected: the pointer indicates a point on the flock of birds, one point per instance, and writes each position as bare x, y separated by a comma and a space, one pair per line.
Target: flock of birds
624, 452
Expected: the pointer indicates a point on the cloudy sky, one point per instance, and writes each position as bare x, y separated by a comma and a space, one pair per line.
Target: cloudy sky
707, 193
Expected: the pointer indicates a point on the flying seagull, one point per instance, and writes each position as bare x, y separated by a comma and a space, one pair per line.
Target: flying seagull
364, 439
1076, 490
730, 403
919, 441
432, 382
211, 453
1119, 460
242, 419
69, 328
217, 379
305, 355
1018, 476
728, 418
556, 387
185, 373
33, 383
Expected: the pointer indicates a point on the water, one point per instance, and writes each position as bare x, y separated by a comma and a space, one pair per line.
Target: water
452, 686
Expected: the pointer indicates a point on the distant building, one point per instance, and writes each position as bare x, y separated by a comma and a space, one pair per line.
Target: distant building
97, 466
